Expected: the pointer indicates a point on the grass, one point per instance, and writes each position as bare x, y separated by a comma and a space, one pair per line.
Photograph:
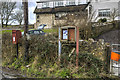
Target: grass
10, 26
8, 31
52, 30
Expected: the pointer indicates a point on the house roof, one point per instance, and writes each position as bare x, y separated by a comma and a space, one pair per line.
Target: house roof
72, 8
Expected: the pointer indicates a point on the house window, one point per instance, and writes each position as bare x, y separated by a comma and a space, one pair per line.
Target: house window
59, 3
45, 4
79, 2
104, 12
71, 2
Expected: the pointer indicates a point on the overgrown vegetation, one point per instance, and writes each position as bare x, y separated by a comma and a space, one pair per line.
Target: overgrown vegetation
43, 61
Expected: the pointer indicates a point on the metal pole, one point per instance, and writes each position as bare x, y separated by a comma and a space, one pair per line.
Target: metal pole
77, 45
59, 44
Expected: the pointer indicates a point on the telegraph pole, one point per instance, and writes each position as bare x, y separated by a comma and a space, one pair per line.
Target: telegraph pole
25, 4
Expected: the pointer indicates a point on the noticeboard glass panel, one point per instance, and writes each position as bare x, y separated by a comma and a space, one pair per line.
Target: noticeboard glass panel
65, 34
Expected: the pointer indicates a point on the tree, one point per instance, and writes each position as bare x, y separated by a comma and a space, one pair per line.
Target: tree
114, 13
7, 12
19, 15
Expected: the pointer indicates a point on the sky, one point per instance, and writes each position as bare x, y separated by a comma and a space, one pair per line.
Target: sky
32, 16
31, 8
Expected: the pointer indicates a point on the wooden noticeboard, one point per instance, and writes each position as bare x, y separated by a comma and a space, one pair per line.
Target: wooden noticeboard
68, 33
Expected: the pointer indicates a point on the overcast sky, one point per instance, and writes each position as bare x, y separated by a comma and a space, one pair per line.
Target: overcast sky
31, 8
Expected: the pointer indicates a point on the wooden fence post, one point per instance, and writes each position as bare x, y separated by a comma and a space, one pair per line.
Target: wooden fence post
107, 58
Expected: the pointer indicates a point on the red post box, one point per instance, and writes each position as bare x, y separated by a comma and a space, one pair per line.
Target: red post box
16, 35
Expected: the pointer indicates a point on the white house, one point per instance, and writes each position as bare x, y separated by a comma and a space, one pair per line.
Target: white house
98, 9
57, 3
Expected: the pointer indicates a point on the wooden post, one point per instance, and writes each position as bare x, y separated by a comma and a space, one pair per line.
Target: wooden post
25, 2
77, 45
107, 59
59, 45
25, 16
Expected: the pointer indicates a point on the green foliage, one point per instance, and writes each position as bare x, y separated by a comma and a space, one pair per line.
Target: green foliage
63, 73
8, 48
23, 68
16, 64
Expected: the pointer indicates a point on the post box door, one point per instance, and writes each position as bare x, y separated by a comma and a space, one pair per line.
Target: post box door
14, 39
71, 36
16, 35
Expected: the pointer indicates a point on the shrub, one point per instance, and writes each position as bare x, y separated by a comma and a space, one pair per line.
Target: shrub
8, 48
102, 20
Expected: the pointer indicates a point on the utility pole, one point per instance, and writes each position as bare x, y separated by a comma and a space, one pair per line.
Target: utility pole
25, 3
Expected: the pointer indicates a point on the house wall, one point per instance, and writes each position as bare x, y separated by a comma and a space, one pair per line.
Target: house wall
52, 3
50, 19
102, 5
59, 22
47, 19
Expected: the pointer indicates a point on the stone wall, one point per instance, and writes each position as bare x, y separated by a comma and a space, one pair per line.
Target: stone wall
97, 48
47, 19
108, 32
59, 22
